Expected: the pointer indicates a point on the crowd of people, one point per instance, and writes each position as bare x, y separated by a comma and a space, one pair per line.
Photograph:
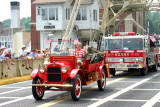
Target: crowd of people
6, 56
27, 56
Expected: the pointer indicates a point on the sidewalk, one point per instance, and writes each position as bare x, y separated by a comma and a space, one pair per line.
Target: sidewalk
14, 79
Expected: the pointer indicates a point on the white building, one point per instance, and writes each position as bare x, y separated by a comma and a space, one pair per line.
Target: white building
52, 17
14, 38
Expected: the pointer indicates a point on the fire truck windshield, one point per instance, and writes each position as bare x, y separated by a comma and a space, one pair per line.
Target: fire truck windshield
124, 44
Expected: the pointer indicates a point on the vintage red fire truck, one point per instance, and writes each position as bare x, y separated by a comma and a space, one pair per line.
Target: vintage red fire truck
130, 51
61, 73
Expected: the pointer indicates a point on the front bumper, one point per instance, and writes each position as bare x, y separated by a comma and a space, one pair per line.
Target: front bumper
126, 65
53, 85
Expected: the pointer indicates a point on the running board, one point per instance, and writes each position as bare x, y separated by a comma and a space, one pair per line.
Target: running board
53, 85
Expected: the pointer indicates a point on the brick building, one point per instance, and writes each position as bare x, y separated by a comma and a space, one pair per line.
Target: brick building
35, 35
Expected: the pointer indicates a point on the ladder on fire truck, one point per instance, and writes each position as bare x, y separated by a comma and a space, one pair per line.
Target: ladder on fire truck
112, 12
71, 23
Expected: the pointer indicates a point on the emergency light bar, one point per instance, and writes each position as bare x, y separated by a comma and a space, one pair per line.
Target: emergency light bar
123, 33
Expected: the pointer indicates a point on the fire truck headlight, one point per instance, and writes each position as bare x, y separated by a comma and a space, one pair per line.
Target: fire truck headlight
139, 60
109, 59
133, 59
41, 69
64, 69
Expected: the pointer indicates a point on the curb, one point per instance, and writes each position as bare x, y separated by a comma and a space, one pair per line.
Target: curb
14, 80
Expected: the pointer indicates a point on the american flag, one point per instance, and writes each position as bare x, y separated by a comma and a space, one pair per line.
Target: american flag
48, 41
75, 41
152, 38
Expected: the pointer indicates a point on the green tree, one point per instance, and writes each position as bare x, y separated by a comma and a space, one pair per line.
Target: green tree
154, 20
7, 23
156, 24
24, 22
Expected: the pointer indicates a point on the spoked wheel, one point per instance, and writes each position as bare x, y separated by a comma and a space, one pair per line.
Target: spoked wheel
102, 82
77, 88
37, 91
143, 71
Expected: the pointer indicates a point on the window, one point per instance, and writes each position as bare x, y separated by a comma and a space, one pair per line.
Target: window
79, 15
38, 12
82, 14
68, 13
94, 15
44, 14
7, 42
123, 44
50, 14
56, 13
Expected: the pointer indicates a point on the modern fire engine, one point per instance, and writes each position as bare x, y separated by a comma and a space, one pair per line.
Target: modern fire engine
130, 51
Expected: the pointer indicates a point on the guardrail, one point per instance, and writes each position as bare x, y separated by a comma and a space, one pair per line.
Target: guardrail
19, 69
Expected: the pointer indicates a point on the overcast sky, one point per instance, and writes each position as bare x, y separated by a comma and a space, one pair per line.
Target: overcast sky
5, 13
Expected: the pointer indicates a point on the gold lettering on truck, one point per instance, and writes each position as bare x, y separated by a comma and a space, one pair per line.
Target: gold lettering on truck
121, 54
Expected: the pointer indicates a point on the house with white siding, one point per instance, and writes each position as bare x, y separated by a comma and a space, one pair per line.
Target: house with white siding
52, 17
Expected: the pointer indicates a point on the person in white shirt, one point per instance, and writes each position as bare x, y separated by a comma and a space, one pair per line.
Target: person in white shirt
22, 55
22, 52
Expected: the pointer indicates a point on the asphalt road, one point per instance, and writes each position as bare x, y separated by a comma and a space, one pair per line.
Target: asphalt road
126, 89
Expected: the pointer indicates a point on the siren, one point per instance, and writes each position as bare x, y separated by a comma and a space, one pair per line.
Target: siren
123, 33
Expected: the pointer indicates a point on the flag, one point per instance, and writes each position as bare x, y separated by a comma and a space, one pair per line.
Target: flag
152, 38
48, 41
75, 41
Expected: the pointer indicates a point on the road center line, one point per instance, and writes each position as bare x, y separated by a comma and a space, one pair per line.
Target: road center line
152, 101
98, 103
51, 103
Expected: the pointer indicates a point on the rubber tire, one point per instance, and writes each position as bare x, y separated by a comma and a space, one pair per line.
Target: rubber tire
35, 95
155, 67
143, 72
73, 94
113, 71
99, 83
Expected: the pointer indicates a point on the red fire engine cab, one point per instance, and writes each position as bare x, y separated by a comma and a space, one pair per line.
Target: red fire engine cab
130, 51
